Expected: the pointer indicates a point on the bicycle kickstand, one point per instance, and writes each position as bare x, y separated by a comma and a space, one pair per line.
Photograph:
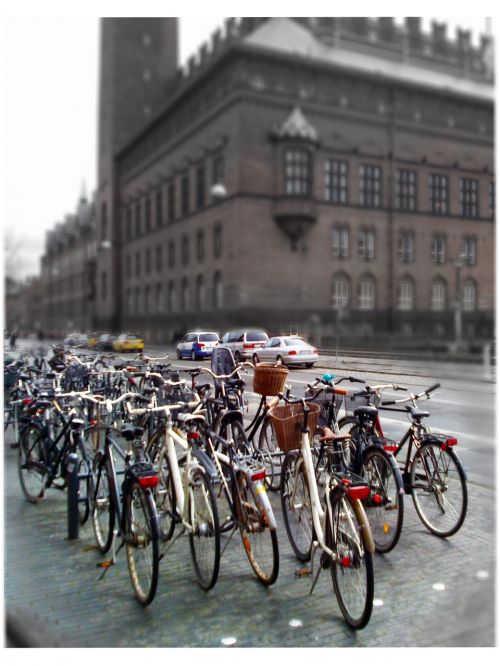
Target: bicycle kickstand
109, 563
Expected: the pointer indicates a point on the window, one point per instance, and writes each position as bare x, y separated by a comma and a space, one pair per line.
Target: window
104, 221
469, 250
147, 300
138, 219
171, 296
159, 208
200, 293
406, 190
147, 261
298, 172
218, 240
340, 242
218, 169
469, 197
406, 244
438, 295
491, 199
405, 294
438, 193
200, 187
185, 295
370, 185
128, 265
336, 181
218, 291
158, 298
469, 296
104, 285
185, 250
171, 254
367, 293
137, 263
147, 215
184, 196
340, 292
366, 244
159, 257
200, 246
129, 223
438, 249
171, 202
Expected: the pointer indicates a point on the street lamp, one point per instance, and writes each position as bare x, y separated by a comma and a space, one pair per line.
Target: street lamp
218, 191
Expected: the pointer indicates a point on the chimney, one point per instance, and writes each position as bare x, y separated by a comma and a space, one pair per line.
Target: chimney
413, 27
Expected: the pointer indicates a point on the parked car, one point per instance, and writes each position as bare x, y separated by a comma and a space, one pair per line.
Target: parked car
128, 342
197, 344
92, 339
287, 349
105, 342
244, 341
75, 340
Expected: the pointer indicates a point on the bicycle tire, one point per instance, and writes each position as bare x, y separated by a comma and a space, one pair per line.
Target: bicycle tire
259, 539
296, 505
431, 504
352, 568
204, 536
103, 510
384, 507
235, 431
31, 464
165, 499
269, 444
141, 543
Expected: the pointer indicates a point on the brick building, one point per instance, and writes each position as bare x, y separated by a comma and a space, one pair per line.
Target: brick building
357, 161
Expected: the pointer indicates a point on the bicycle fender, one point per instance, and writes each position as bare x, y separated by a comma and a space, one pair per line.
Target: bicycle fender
394, 466
366, 531
229, 417
264, 504
206, 462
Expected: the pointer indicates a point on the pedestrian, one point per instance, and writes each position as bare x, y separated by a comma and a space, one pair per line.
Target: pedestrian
13, 340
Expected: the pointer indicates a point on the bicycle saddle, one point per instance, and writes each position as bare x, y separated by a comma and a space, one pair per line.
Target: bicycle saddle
366, 413
131, 432
418, 414
236, 383
329, 436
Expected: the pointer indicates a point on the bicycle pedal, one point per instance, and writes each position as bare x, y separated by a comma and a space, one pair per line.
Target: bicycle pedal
302, 572
105, 565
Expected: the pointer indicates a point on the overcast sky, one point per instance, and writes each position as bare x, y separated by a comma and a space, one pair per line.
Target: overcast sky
49, 110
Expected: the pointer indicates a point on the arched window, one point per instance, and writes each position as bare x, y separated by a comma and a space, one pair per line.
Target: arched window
200, 293
469, 296
406, 294
367, 292
340, 241
298, 172
218, 291
340, 291
438, 295
185, 295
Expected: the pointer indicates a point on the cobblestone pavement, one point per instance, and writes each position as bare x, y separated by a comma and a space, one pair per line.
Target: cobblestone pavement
51, 585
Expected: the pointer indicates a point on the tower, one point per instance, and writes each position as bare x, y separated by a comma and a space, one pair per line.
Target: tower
138, 61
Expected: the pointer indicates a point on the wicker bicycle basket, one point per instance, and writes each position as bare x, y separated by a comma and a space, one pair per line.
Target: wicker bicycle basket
287, 422
269, 378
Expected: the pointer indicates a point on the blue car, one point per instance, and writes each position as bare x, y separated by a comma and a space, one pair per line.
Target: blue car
197, 344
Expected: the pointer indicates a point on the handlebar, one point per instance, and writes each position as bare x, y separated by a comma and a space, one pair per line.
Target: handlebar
239, 366
413, 397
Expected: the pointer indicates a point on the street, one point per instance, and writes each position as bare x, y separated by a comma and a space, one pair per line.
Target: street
428, 591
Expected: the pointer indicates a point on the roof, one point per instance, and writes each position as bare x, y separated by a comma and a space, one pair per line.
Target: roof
287, 36
296, 126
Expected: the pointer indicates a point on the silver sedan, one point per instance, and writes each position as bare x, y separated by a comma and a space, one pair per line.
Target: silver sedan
287, 349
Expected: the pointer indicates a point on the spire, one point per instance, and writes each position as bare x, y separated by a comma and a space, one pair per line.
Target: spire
296, 126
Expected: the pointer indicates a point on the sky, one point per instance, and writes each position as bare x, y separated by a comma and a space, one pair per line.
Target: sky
49, 118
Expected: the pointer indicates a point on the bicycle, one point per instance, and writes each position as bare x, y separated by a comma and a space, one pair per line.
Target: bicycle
341, 530
434, 475
130, 513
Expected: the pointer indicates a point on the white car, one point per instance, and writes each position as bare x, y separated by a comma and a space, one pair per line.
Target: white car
287, 349
197, 344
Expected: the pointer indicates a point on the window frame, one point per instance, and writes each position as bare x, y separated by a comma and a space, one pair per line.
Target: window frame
297, 171
370, 185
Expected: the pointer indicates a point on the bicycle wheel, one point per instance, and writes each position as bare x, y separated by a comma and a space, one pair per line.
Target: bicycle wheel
259, 540
347, 426
296, 505
164, 495
352, 566
438, 489
269, 443
204, 537
141, 543
234, 431
384, 506
103, 511
31, 464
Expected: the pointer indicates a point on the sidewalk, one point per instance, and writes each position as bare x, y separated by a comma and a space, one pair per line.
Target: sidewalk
52, 586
